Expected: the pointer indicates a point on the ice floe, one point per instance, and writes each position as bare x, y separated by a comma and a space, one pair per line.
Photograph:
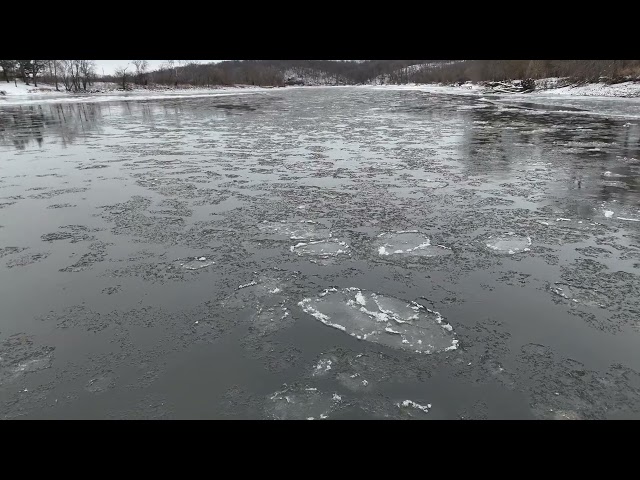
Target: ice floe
381, 319
321, 248
197, 263
509, 243
301, 403
408, 243
412, 404
302, 230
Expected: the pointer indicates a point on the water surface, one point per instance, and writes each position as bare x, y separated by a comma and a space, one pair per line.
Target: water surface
156, 257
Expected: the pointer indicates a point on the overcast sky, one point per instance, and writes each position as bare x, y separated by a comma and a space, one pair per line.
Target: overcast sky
109, 66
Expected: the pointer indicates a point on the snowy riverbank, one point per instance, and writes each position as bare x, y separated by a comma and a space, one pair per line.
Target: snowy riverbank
27, 94
20, 93
18, 88
544, 87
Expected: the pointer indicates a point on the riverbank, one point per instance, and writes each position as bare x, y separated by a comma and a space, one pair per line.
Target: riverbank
557, 87
543, 87
20, 89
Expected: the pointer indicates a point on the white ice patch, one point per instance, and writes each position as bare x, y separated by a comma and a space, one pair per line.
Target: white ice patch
386, 320
608, 213
417, 406
197, 263
250, 284
323, 367
297, 403
408, 243
302, 230
32, 365
510, 243
321, 248
629, 219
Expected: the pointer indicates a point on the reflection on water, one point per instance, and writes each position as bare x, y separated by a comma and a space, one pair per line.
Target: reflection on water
64, 123
533, 214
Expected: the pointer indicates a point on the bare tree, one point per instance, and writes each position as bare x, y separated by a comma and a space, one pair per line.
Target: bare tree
25, 69
77, 76
8, 66
36, 67
75, 73
66, 73
141, 70
171, 65
121, 72
87, 71
174, 65
53, 71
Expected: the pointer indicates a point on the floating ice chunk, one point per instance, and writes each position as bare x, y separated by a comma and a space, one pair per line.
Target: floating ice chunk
306, 304
293, 247
509, 243
197, 263
298, 403
563, 219
608, 213
323, 366
454, 346
360, 299
302, 230
250, 284
321, 248
386, 320
409, 243
629, 219
328, 290
32, 365
410, 403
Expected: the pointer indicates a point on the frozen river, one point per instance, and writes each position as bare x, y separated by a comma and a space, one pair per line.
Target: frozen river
320, 253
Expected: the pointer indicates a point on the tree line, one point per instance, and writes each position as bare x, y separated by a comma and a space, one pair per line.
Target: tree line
257, 72
577, 71
283, 72
72, 75
79, 75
